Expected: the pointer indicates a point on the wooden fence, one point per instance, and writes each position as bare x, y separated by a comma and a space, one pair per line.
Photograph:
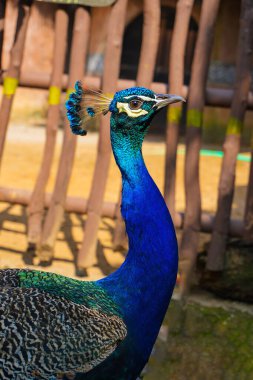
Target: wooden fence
42, 234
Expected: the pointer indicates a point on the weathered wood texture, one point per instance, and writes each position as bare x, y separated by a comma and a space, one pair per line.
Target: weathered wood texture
13, 72
55, 213
176, 82
145, 75
87, 254
36, 205
231, 145
196, 102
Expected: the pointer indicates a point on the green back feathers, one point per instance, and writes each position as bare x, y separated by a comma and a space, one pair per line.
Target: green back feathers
84, 293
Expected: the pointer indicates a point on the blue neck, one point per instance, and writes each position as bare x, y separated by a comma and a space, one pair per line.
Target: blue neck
143, 285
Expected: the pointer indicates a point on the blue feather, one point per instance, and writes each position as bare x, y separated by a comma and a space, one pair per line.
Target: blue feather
73, 110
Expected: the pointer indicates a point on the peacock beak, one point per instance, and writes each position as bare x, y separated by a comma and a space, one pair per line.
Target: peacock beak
163, 100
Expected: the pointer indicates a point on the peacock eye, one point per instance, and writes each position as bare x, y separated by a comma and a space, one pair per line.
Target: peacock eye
135, 104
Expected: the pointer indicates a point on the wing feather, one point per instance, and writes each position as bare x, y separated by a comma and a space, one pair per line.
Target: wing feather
41, 333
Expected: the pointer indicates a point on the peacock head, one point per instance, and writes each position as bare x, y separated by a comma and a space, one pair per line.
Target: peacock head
131, 110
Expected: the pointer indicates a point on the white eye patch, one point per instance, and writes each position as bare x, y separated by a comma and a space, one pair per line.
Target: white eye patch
124, 107
142, 97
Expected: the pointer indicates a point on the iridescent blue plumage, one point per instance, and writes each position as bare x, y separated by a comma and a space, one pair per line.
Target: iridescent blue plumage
143, 285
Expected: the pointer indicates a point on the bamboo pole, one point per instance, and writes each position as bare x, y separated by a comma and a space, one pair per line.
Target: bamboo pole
145, 74
36, 206
196, 102
248, 214
231, 146
87, 254
216, 97
176, 82
79, 205
13, 72
56, 210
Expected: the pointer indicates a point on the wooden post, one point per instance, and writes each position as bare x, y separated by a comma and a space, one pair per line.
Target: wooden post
248, 215
56, 210
12, 75
216, 253
176, 82
2, 14
146, 68
196, 102
150, 41
36, 206
87, 254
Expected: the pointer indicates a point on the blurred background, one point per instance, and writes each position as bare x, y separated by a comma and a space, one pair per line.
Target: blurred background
60, 196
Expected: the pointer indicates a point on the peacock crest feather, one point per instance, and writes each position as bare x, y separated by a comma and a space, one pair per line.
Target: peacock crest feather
83, 105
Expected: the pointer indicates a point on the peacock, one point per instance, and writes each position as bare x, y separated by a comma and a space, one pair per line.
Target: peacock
52, 326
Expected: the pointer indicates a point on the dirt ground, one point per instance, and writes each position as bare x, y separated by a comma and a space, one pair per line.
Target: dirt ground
22, 157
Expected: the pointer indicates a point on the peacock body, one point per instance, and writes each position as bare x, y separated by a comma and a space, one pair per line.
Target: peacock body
52, 326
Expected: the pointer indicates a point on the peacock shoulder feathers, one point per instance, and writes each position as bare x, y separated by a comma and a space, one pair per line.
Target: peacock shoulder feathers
45, 333
87, 293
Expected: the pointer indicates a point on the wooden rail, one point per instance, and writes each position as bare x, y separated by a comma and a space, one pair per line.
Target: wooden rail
79, 205
215, 97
